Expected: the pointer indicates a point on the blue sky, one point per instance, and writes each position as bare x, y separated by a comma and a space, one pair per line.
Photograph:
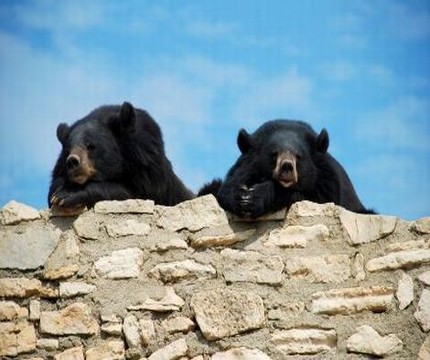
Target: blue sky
205, 69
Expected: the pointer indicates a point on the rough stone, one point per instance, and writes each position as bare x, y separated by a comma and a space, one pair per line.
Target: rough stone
127, 227
121, 264
358, 267
112, 329
423, 310
161, 240
193, 215
64, 272
251, 266
23, 288
364, 229
178, 324
304, 341
172, 351
10, 310
310, 209
147, 331
424, 353
34, 308
425, 278
352, 300
367, 340
405, 291
27, 250
169, 302
399, 260
422, 225
241, 353
75, 319
76, 353
108, 350
410, 245
325, 269
16, 338
75, 288
87, 226
131, 331
14, 212
297, 236
222, 312
182, 270
221, 236
48, 344
131, 206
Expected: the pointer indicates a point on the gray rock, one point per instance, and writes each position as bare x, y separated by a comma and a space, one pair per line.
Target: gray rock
14, 212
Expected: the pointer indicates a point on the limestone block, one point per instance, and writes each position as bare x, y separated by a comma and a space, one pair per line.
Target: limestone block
88, 226
161, 240
424, 353
63, 272
352, 300
14, 212
325, 269
23, 288
422, 225
251, 266
358, 266
131, 331
304, 341
364, 229
169, 302
222, 312
75, 319
127, 227
10, 310
131, 206
34, 309
182, 270
48, 344
399, 260
405, 291
297, 236
112, 329
410, 245
75, 288
310, 209
173, 351
76, 353
147, 331
423, 311
241, 353
16, 338
193, 215
425, 278
367, 340
27, 250
221, 236
178, 324
121, 264
108, 350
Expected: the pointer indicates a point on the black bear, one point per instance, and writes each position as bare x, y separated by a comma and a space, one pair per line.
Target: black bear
114, 153
282, 162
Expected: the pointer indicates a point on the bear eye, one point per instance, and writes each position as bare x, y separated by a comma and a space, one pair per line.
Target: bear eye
90, 146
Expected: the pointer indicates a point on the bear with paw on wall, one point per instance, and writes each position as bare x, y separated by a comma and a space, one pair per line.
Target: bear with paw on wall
114, 153
282, 162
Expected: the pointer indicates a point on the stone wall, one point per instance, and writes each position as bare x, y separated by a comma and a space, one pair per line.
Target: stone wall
133, 280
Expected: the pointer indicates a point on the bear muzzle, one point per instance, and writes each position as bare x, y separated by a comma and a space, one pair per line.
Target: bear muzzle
286, 170
79, 167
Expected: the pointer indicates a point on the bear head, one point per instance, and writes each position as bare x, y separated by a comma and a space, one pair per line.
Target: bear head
92, 146
286, 151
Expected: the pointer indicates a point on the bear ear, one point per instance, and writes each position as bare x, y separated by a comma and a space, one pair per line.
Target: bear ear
244, 141
322, 141
127, 117
63, 131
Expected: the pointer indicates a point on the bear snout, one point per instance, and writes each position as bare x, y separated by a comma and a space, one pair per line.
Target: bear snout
72, 161
286, 171
79, 166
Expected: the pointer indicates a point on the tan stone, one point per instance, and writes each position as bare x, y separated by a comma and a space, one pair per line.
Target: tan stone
173, 351
399, 260
161, 240
425, 278
220, 236
48, 344
410, 245
222, 312
121, 264
325, 269
423, 310
64, 272
358, 266
108, 350
127, 227
75, 319
241, 353
405, 291
178, 324
75, 288
364, 229
147, 331
297, 236
367, 340
16, 338
169, 302
310, 209
112, 329
76, 353
193, 215
131, 206
10, 310
34, 309
23, 287
251, 266
422, 225
304, 341
14, 212
131, 331
87, 226
182, 270
352, 300
424, 353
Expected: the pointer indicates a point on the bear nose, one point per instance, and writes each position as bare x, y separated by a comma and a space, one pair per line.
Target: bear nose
72, 162
287, 166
